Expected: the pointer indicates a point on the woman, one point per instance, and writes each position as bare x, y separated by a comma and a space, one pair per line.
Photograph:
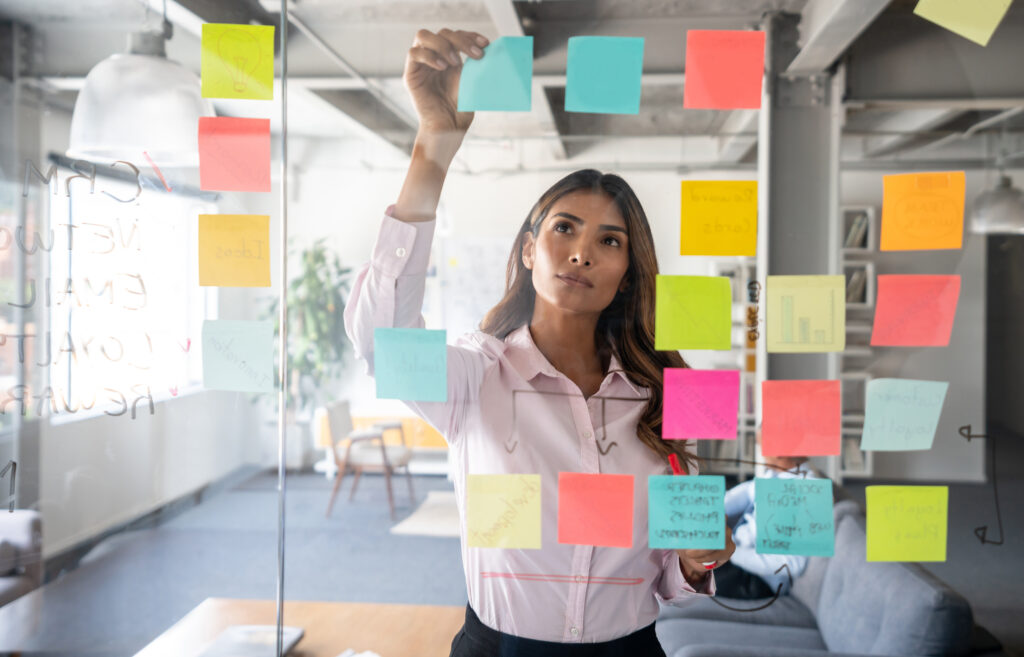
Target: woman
563, 377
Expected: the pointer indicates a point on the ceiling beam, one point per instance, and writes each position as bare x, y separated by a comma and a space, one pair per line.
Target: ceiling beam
737, 146
827, 28
911, 121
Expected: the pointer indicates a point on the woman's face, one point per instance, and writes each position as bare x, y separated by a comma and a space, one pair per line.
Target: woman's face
581, 253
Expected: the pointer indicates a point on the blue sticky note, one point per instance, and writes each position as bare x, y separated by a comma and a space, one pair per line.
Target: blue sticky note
603, 74
686, 512
410, 364
501, 81
902, 414
794, 516
238, 355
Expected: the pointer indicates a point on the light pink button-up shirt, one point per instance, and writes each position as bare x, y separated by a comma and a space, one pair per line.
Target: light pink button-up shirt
498, 420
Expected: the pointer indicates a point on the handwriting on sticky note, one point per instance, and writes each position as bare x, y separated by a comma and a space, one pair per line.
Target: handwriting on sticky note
410, 364
234, 154
794, 516
923, 211
686, 512
503, 511
238, 355
906, 523
800, 418
915, 310
700, 404
234, 250
692, 312
805, 314
718, 217
237, 61
724, 69
976, 20
502, 80
595, 509
603, 74
902, 414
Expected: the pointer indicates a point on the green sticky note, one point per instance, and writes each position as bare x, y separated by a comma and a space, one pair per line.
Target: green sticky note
502, 80
972, 19
503, 511
805, 314
237, 61
238, 355
603, 74
410, 364
692, 312
902, 414
907, 523
794, 516
686, 512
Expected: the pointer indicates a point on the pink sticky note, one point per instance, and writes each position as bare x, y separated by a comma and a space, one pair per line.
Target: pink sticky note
800, 418
234, 154
700, 404
915, 310
595, 509
724, 69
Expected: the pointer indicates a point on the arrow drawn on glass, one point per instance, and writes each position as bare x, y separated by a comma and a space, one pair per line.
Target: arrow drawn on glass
13, 467
982, 532
511, 444
778, 592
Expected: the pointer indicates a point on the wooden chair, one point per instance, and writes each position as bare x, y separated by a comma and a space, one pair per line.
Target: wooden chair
365, 451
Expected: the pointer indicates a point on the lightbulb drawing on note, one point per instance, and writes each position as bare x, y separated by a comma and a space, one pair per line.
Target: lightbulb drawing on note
240, 53
238, 61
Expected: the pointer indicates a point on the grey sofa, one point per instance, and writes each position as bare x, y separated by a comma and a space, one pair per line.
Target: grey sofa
21, 542
841, 606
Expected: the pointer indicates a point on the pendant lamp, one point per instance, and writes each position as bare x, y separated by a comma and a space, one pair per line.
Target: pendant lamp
999, 211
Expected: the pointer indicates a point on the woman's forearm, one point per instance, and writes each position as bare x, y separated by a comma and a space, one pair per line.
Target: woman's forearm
432, 154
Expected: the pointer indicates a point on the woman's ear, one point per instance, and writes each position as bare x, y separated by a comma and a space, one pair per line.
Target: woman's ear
528, 247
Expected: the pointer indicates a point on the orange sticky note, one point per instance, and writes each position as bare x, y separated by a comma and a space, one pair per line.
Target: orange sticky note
800, 418
724, 69
923, 211
915, 310
595, 509
234, 154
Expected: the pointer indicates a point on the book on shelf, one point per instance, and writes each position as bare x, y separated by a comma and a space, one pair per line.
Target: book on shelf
855, 286
853, 458
857, 232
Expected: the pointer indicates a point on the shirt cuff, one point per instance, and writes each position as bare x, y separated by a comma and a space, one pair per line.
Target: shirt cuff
679, 586
403, 247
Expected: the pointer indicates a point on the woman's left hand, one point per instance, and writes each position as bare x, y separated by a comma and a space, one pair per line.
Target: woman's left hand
693, 561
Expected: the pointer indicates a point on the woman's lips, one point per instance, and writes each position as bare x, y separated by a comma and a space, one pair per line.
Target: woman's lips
572, 281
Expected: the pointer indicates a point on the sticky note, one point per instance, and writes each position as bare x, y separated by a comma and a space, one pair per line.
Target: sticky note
805, 314
234, 154
595, 509
692, 312
238, 355
975, 20
718, 217
234, 250
724, 69
503, 511
906, 523
922, 211
686, 512
700, 404
502, 80
902, 414
410, 364
794, 516
800, 418
237, 61
915, 310
603, 74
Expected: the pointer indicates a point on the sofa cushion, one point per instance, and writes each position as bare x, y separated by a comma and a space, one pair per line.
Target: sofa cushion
677, 633
786, 611
8, 558
807, 587
887, 608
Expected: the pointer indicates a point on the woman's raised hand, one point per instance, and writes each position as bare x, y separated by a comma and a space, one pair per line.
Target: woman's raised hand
432, 69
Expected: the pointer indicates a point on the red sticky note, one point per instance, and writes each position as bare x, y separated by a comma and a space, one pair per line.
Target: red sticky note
724, 69
800, 418
595, 509
915, 310
234, 154
701, 404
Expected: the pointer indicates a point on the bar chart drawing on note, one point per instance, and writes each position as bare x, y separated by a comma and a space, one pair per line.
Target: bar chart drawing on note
806, 314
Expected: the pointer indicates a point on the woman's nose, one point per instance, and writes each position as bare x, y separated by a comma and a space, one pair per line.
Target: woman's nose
580, 258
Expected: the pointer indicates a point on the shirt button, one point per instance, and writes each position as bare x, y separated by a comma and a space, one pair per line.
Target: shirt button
400, 252
587, 434
574, 631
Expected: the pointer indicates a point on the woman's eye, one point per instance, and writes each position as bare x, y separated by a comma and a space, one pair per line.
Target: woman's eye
615, 240
560, 225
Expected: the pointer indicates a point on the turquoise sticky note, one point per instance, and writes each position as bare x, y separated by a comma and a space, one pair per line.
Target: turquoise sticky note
410, 364
238, 355
501, 81
686, 512
902, 414
794, 516
603, 74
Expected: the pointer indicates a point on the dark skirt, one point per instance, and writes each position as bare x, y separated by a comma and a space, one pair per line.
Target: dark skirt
478, 640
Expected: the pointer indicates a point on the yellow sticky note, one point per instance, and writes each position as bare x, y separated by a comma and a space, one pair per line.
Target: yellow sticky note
805, 314
907, 523
503, 511
234, 250
972, 19
923, 211
237, 61
718, 217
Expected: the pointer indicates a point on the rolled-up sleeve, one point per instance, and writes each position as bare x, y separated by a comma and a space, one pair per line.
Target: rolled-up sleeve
673, 589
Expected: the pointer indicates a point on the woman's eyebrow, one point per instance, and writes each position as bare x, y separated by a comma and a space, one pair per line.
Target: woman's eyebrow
576, 219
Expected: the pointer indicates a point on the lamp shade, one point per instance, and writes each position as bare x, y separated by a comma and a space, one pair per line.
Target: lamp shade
999, 211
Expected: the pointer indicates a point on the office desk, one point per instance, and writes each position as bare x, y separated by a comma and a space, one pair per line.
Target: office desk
390, 630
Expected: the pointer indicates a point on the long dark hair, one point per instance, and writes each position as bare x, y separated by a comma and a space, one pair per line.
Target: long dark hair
628, 321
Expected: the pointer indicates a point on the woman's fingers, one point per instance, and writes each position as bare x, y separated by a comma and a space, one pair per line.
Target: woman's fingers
470, 43
439, 44
428, 57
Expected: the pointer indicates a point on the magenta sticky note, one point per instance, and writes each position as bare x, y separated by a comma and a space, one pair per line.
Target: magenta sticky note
701, 404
